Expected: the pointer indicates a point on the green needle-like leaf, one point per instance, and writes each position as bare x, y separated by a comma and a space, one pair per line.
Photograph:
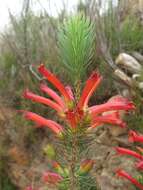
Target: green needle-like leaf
75, 42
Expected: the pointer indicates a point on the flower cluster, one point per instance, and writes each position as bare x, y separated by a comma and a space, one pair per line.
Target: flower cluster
70, 110
74, 112
133, 137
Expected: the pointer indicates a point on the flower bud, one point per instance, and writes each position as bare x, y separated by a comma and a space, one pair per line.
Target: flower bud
58, 167
49, 151
51, 178
86, 166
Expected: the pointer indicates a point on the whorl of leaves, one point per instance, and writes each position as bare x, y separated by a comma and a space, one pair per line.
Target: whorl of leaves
75, 43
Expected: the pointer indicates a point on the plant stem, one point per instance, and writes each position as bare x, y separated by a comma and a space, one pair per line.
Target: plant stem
74, 147
73, 178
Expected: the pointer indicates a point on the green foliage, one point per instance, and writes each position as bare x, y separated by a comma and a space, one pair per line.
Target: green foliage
111, 29
132, 34
75, 42
7, 64
5, 182
121, 35
87, 182
135, 122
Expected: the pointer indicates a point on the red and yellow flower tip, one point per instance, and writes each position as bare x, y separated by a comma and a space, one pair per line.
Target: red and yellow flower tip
51, 178
125, 151
86, 166
57, 167
124, 174
44, 88
36, 98
90, 86
55, 81
114, 104
112, 119
42, 122
134, 137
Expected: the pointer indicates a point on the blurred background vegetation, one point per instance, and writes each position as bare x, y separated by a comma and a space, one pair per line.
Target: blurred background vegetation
33, 38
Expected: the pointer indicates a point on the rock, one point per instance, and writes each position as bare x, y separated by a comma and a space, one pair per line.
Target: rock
121, 75
104, 138
18, 155
140, 85
115, 131
126, 93
122, 140
128, 62
17, 175
104, 181
107, 179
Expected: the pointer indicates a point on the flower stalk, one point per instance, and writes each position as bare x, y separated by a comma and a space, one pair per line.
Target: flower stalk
74, 155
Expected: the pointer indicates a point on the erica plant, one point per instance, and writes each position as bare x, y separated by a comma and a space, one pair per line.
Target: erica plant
74, 128
78, 120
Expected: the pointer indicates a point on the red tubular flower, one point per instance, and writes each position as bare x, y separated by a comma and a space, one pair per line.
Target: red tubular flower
139, 165
119, 103
53, 79
118, 98
134, 137
53, 94
90, 86
43, 100
109, 119
122, 173
86, 166
74, 112
51, 178
42, 122
126, 151
72, 118
29, 188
